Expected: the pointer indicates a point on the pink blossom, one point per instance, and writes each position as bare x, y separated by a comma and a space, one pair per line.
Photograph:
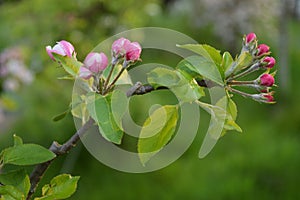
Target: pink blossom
62, 48
250, 37
85, 73
96, 62
262, 49
269, 62
118, 47
133, 51
267, 80
269, 97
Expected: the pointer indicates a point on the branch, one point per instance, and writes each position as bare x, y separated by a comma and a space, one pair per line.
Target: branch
58, 149
139, 89
39, 171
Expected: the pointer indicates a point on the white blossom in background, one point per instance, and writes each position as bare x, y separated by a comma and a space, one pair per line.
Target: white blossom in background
230, 19
13, 70
13, 74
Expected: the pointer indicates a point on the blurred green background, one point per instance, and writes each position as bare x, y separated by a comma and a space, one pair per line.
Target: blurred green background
263, 162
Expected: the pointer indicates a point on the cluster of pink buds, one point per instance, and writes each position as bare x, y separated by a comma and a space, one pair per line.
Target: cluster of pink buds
124, 48
261, 60
96, 62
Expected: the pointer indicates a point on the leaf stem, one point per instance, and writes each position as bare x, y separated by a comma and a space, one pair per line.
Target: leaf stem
241, 82
125, 65
239, 92
251, 69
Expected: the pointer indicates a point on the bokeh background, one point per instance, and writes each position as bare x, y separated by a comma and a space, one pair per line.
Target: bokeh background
263, 162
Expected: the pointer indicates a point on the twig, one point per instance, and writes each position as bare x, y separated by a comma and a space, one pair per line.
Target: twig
58, 149
139, 89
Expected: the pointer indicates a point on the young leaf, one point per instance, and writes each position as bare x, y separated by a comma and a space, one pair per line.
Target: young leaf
187, 90
205, 68
181, 84
61, 115
186, 67
99, 108
17, 140
10, 192
243, 61
208, 52
157, 131
26, 154
214, 53
60, 187
70, 65
163, 77
226, 61
214, 132
119, 105
79, 109
218, 116
18, 179
231, 115
205, 50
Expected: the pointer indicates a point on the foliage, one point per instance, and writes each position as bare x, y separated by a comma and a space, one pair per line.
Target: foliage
264, 169
15, 184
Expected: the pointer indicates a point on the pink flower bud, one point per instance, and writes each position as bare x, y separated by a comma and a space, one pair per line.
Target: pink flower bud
262, 49
62, 48
85, 73
250, 37
96, 62
268, 97
118, 47
269, 62
133, 51
266, 80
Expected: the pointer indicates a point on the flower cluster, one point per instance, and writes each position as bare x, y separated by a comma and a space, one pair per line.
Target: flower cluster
123, 52
13, 71
260, 59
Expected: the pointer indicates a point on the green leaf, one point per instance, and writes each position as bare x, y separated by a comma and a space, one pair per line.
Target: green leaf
157, 131
10, 192
17, 140
226, 61
70, 65
181, 84
26, 154
163, 77
79, 109
119, 105
214, 53
244, 60
61, 115
232, 109
206, 68
218, 116
209, 53
231, 115
204, 50
18, 179
185, 67
99, 108
60, 187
